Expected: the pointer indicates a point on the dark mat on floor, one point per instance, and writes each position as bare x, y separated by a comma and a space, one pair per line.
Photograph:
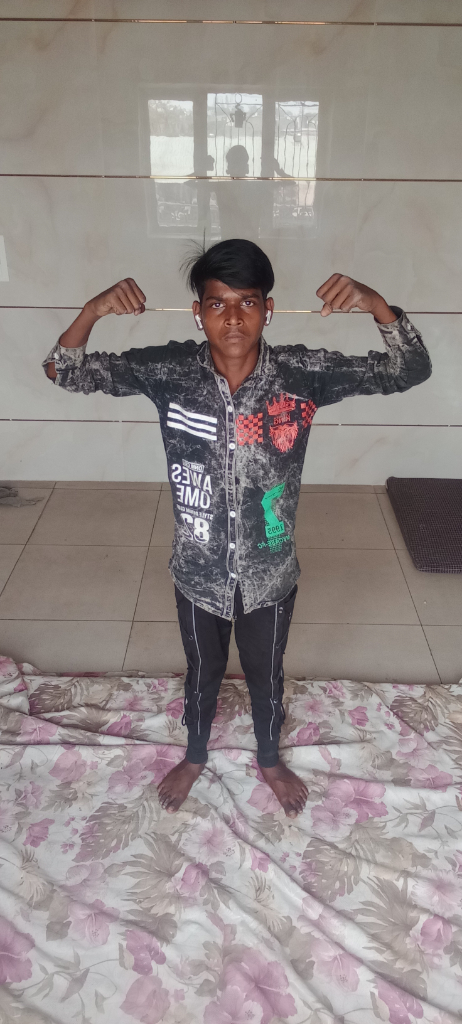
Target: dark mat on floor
429, 512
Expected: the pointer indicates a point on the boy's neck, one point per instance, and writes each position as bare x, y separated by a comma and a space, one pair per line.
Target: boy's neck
235, 371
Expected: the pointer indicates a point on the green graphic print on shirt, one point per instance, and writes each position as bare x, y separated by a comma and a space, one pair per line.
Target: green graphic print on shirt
274, 527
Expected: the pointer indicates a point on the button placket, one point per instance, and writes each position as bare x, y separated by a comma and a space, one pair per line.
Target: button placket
230, 473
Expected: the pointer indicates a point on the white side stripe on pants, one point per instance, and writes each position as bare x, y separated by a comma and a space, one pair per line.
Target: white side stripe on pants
198, 673
272, 668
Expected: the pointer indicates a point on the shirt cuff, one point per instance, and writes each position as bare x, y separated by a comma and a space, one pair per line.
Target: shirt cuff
399, 327
65, 358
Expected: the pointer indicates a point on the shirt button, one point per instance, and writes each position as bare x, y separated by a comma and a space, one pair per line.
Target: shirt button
233, 575
232, 446
233, 515
230, 408
232, 546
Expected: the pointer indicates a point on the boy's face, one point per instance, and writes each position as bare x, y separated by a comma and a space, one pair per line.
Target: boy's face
233, 318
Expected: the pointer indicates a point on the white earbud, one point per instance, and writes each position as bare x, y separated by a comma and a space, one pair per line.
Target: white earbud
268, 318
199, 323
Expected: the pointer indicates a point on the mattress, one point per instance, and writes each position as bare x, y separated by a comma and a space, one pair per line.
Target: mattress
429, 514
228, 912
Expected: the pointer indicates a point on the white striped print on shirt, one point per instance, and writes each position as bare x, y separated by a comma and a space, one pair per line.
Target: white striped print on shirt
192, 422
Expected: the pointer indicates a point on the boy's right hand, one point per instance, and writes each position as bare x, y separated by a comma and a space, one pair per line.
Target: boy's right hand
123, 297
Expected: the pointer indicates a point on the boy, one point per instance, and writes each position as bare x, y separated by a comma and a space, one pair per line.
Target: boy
235, 417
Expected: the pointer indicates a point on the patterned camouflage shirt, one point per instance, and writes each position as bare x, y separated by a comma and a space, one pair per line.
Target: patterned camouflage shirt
235, 462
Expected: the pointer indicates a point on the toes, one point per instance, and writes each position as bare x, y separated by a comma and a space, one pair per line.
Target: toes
291, 813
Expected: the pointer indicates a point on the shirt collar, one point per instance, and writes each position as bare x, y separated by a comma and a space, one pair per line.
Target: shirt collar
204, 357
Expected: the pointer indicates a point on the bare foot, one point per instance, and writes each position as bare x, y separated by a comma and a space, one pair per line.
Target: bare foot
289, 789
175, 786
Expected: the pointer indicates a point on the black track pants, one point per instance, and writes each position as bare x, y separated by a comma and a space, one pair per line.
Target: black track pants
261, 638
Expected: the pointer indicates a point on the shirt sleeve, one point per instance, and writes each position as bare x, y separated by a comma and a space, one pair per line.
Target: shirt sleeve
135, 372
405, 363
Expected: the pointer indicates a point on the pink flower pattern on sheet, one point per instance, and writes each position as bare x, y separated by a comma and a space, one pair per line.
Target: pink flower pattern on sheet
38, 832
435, 934
259, 861
175, 708
144, 764
402, 1007
34, 730
14, 945
121, 727
264, 800
69, 766
146, 1000
441, 894
229, 913
263, 983
84, 881
30, 796
430, 778
335, 964
358, 716
144, 949
90, 922
191, 881
233, 1007
308, 734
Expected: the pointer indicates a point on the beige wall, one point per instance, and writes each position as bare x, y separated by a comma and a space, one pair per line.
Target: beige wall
76, 216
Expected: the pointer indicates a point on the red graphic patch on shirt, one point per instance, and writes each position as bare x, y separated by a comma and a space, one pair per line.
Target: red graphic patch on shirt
249, 429
308, 411
282, 432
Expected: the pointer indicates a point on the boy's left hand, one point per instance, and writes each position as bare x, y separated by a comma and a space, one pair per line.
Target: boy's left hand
342, 293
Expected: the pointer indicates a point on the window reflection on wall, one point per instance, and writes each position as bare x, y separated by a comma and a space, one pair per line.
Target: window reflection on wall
171, 126
234, 120
295, 144
246, 137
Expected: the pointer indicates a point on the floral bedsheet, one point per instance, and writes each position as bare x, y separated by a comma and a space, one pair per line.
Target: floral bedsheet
228, 912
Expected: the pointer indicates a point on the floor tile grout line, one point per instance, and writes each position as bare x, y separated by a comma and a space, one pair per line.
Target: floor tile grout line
97, 544
13, 568
28, 539
409, 590
141, 582
369, 625
39, 518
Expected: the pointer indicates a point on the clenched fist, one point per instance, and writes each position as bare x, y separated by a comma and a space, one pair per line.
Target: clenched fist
123, 297
342, 293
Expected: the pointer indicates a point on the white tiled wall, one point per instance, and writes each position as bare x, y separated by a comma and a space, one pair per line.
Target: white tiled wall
78, 210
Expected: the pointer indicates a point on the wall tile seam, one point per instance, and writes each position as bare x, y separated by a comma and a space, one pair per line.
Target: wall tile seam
316, 426
223, 178
187, 309
237, 21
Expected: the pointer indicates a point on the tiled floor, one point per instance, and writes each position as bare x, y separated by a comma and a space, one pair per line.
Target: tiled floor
84, 586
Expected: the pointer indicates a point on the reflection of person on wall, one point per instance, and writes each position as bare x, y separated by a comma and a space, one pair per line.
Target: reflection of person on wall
242, 204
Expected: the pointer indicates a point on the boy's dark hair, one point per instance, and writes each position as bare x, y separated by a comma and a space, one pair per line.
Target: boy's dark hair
236, 262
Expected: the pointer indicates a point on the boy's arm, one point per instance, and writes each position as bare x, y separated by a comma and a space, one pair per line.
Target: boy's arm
68, 365
404, 364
